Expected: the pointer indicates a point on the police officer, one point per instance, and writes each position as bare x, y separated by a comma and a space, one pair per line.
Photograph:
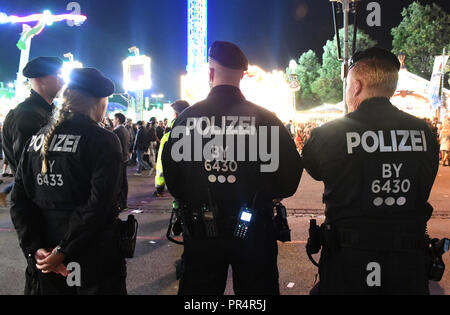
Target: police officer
225, 161
378, 165
29, 117
63, 203
35, 112
160, 182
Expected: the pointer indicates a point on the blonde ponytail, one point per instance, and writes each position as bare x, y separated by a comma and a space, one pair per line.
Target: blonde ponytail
64, 113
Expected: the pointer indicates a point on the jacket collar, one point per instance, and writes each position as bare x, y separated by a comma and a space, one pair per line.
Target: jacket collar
375, 104
226, 91
83, 119
39, 101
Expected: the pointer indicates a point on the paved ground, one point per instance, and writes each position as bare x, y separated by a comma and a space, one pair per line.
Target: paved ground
152, 272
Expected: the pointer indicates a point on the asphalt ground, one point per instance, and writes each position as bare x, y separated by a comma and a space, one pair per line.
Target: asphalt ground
152, 271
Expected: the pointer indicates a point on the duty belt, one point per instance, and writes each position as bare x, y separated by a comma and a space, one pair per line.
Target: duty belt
387, 241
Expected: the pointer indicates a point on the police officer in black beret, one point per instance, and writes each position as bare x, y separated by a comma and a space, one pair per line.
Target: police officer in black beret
225, 161
378, 165
35, 112
64, 200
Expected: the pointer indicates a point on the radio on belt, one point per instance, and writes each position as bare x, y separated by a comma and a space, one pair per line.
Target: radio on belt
244, 221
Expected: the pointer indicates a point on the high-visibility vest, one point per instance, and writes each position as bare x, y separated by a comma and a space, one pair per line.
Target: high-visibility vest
159, 177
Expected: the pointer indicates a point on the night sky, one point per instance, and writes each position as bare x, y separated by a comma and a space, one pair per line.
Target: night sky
271, 32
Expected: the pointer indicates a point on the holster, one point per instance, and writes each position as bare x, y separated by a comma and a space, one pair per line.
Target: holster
127, 236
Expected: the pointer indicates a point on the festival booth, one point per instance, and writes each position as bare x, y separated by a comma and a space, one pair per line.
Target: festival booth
413, 96
322, 114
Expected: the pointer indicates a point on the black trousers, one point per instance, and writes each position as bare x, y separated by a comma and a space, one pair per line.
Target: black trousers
345, 271
253, 262
102, 271
123, 192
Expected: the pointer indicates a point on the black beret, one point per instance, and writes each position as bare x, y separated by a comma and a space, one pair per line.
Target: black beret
375, 52
228, 55
91, 81
180, 106
42, 67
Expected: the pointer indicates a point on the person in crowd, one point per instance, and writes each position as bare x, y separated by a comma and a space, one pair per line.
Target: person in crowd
160, 130
124, 137
160, 182
141, 145
445, 142
153, 138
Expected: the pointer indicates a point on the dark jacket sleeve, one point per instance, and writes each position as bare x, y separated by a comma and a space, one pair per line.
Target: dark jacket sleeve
311, 155
124, 138
28, 124
99, 211
25, 215
287, 178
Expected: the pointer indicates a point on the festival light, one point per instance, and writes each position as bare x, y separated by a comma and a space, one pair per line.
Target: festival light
46, 17
137, 73
68, 66
267, 89
28, 33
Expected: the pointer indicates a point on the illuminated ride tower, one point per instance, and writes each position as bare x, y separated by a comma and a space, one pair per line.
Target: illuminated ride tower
197, 35
194, 85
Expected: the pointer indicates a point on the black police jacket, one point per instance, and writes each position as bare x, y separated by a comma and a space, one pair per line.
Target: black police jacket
23, 122
224, 160
124, 137
74, 203
378, 165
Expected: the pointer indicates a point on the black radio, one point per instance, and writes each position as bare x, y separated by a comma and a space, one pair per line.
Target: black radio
245, 219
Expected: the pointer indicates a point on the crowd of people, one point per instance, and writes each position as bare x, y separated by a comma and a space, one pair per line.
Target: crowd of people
442, 133
301, 132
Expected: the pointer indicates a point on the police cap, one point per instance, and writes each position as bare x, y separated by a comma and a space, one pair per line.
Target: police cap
91, 81
180, 106
42, 67
375, 52
228, 55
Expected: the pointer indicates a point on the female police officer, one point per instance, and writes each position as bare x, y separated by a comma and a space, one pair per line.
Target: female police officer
63, 204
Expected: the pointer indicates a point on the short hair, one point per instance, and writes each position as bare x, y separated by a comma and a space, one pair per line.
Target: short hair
121, 117
380, 76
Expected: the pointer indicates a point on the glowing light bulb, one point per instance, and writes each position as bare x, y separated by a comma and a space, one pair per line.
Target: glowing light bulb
47, 18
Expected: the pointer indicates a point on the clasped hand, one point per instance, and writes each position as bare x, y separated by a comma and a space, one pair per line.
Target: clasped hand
50, 261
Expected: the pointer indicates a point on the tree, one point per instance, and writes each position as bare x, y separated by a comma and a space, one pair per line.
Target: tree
422, 35
308, 71
329, 86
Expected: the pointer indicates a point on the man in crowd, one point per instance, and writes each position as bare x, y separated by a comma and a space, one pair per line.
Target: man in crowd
141, 145
124, 137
